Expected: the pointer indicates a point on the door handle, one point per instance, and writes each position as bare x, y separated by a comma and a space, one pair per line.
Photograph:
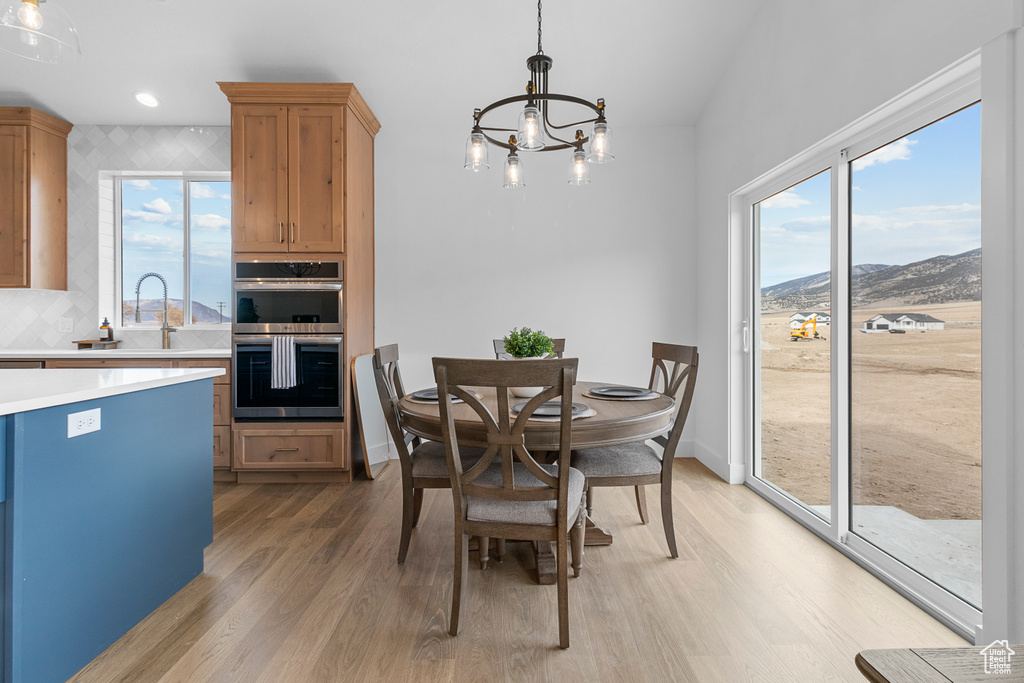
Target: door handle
291, 232
285, 450
280, 231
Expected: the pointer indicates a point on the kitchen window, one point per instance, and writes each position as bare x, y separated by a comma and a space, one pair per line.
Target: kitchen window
173, 232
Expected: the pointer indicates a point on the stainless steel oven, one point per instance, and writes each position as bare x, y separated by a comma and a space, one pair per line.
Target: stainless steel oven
288, 297
317, 394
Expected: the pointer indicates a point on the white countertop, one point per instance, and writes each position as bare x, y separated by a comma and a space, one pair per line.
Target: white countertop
18, 354
23, 390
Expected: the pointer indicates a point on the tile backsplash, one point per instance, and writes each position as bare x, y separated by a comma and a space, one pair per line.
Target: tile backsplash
32, 317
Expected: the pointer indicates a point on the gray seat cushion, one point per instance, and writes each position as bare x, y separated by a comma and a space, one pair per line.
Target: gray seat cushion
428, 459
626, 460
538, 512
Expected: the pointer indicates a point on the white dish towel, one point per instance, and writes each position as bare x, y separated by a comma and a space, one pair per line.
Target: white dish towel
282, 363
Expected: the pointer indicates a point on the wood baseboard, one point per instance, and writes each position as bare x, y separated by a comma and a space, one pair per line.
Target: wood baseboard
273, 477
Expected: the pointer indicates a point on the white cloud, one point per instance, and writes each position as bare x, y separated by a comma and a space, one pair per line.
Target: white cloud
148, 217
152, 241
210, 221
784, 200
894, 151
204, 191
948, 208
139, 184
158, 205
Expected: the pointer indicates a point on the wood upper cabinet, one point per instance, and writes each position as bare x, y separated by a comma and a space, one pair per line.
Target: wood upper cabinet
287, 167
33, 199
259, 177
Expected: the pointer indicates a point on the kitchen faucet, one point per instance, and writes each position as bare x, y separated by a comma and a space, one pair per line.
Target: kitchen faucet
166, 329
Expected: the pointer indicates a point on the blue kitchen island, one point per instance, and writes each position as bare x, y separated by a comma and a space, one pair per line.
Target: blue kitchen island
102, 527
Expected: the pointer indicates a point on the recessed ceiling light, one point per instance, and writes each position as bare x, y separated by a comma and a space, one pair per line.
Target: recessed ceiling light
146, 99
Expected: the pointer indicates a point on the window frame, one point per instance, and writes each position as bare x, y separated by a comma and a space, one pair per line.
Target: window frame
945, 93
185, 177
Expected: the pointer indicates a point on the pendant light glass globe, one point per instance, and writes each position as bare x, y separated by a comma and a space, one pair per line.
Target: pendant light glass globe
476, 153
530, 137
600, 144
579, 170
44, 34
513, 173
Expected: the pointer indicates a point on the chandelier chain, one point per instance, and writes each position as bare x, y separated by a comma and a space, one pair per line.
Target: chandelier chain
540, 50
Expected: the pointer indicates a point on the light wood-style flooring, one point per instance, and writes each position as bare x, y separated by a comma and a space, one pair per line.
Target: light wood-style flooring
302, 584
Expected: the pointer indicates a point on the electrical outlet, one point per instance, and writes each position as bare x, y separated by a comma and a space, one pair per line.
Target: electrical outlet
83, 422
65, 325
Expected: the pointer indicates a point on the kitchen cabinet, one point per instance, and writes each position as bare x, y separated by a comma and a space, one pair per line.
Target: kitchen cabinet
33, 199
302, 183
290, 162
286, 446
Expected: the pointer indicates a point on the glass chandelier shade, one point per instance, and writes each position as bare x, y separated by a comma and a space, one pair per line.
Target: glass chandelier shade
529, 136
600, 144
513, 173
476, 153
44, 34
579, 170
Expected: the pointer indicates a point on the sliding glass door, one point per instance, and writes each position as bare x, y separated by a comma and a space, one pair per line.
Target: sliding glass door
864, 315
793, 301
915, 351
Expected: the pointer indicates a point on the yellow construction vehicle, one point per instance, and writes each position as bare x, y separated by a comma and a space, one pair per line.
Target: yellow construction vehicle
802, 333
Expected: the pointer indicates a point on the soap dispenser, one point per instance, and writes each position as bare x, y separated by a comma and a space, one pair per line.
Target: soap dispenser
106, 332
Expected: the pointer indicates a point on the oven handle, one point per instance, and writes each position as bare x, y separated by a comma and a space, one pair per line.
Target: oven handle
277, 285
244, 339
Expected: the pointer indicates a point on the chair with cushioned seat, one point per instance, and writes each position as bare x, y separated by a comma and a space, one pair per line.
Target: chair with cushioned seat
557, 349
425, 465
507, 493
636, 464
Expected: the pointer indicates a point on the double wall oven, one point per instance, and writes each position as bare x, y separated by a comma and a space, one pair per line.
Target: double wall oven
303, 300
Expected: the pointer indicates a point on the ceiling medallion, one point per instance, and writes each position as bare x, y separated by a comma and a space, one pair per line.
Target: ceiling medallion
536, 132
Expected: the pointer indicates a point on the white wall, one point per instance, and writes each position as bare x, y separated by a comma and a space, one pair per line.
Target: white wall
461, 261
807, 69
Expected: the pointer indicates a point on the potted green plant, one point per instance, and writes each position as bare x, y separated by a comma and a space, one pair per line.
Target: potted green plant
526, 343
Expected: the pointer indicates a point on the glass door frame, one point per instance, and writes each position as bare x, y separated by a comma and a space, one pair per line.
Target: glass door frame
955, 88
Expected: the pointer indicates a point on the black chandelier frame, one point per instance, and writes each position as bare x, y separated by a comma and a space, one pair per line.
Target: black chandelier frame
537, 94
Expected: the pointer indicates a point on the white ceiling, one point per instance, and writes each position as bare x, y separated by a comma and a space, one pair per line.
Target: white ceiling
417, 63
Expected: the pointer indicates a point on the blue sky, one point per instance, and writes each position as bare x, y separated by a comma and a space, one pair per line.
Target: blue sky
152, 240
915, 198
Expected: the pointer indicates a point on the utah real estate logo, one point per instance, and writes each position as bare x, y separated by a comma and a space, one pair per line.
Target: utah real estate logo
997, 657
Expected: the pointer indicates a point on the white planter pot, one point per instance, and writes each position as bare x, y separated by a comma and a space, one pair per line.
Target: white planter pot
527, 392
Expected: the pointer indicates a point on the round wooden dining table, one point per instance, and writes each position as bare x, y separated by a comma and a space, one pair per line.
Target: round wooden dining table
615, 422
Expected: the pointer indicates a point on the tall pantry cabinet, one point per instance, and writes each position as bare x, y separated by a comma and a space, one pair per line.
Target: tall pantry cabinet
302, 188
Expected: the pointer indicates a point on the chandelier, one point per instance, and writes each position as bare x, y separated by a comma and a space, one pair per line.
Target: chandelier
536, 132
44, 34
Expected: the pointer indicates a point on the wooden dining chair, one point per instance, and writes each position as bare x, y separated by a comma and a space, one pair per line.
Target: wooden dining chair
636, 464
507, 493
423, 463
557, 349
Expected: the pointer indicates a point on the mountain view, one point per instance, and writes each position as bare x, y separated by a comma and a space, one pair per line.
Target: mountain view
937, 280
201, 313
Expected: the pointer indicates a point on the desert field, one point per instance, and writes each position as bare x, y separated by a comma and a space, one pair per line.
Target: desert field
916, 413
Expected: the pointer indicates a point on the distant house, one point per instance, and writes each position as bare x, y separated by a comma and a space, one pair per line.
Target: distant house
798, 319
904, 321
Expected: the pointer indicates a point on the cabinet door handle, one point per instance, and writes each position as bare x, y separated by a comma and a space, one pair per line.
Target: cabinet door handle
285, 450
291, 232
280, 231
